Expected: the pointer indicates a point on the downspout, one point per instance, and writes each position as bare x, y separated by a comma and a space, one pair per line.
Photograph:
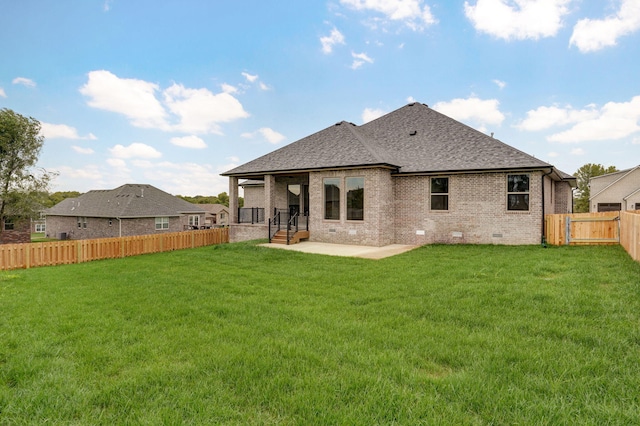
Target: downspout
543, 239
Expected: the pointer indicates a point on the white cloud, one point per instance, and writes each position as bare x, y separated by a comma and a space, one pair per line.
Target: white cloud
131, 97
250, 78
501, 84
271, 135
546, 117
2, 93
62, 131
553, 154
200, 111
411, 12
370, 114
263, 86
595, 34
24, 81
189, 142
411, 99
189, 178
359, 59
193, 110
577, 151
335, 37
635, 141
227, 88
615, 120
517, 19
107, 5
81, 150
268, 134
473, 110
135, 150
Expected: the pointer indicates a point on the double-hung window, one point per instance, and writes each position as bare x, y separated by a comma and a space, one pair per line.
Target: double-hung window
355, 198
440, 193
162, 223
518, 192
82, 222
332, 198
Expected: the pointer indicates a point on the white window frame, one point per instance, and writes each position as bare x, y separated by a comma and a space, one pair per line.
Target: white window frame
162, 223
194, 220
82, 222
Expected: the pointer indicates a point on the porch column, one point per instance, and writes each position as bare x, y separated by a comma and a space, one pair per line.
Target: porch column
233, 199
269, 195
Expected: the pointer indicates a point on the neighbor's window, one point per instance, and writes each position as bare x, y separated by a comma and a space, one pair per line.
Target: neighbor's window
162, 223
194, 220
332, 198
40, 227
440, 193
8, 224
518, 192
355, 198
82, 222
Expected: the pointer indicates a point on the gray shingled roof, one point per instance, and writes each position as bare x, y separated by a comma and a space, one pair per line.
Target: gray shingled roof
126, 201
411, 139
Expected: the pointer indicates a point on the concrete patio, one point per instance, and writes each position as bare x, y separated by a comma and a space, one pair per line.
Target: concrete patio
365, 252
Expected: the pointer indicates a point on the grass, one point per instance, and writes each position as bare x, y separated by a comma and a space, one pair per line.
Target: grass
39, 237
240, 334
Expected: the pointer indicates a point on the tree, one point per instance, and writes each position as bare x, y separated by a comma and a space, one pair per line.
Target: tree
56, 197
583, 175
21, 187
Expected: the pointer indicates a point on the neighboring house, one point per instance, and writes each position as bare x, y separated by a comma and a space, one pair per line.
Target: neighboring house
130, 209
38, 225
15, 231
413, 176
615, 191
216, 215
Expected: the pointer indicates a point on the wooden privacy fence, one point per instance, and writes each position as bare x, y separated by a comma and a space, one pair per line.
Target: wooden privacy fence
583, 228
622, 227
19, 256
630, 233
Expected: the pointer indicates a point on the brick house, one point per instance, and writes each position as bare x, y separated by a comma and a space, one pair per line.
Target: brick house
216, 215
15, 231
615, 191
131, 209
412, 176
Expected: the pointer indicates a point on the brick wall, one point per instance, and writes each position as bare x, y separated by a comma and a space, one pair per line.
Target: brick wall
20, 234
246, 232
377, 227
477, 211
253, 196
110, 227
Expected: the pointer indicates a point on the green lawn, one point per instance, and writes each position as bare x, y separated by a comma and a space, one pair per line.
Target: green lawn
240, 334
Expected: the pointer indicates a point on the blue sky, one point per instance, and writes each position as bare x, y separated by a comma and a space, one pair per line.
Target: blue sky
172, 93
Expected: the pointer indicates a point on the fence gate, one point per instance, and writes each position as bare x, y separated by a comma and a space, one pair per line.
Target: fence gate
592, 230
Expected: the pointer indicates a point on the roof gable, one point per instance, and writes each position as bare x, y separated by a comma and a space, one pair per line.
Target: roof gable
411, 139
126, 201
622, 177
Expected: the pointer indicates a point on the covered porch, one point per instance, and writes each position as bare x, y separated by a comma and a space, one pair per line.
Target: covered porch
275, 207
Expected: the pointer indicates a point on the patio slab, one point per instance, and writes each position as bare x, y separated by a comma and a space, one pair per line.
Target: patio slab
366, 252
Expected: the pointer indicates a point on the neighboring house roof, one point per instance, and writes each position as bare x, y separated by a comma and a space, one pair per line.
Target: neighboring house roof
252, 182
126, 201
619, 177
411, 139
214, 208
